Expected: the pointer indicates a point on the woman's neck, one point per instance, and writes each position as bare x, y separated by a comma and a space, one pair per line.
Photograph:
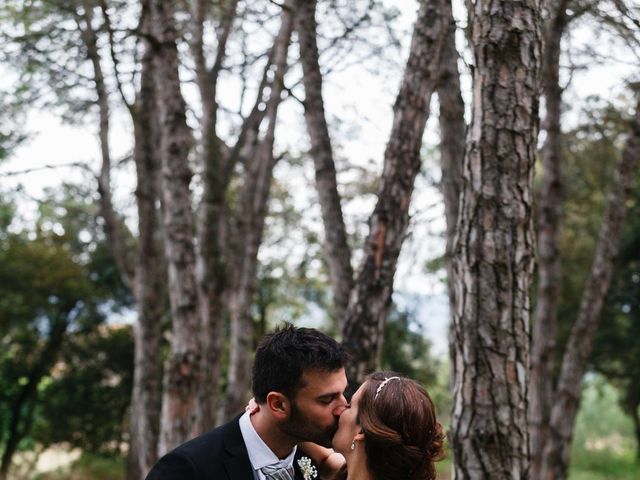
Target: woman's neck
357, 466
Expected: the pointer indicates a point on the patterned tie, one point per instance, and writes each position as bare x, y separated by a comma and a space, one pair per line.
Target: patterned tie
278, 472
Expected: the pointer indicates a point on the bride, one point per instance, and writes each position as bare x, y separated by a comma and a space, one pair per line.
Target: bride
388, 432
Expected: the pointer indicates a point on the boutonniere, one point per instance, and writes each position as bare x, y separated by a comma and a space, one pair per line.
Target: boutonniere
309, 472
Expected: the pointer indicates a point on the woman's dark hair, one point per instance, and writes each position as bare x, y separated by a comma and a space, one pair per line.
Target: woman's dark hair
285, 354
403, 440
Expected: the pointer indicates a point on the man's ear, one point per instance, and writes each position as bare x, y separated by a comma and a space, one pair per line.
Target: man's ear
279, 405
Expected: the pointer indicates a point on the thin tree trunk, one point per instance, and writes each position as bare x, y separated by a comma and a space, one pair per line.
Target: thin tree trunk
452, 142
253, 210
338, 253
212, 278
371, 296
112, 223
574, 361
549, 197
183, 374
494, 252
452, 128
149, 282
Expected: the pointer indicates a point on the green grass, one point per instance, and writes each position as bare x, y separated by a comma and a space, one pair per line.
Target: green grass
604, 465
604, 446
90, 467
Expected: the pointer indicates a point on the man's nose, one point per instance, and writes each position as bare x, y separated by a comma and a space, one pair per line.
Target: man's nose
342, 406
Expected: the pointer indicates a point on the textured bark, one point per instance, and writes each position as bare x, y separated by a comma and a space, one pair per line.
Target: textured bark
149, 282
549, 200
493, 252
574, 361
371, 296
338, 253
253, 209
452, 135
146, 278
212, 279
183, 367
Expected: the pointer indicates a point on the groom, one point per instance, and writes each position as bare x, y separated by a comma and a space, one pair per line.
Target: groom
298, 382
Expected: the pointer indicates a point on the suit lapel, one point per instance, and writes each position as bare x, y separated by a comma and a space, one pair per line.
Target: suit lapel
237, 463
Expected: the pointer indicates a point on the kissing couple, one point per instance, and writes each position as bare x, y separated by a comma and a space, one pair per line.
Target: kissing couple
300, 426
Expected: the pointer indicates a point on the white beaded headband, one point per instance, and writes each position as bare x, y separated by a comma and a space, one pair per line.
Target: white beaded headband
382, 385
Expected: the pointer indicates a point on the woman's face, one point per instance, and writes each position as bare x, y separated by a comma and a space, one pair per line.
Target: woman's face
347, 426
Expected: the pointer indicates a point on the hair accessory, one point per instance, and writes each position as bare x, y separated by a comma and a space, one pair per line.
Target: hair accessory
382, 385
353, 445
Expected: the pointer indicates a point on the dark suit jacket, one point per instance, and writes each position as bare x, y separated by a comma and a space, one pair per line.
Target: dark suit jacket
217, 455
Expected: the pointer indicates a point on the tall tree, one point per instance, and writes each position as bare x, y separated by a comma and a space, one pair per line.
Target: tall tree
549, 208
252, 210
574, 360
213, 271
95, 42
493, 253
338, 253
371, 295
183, 366
452, 135
149, 280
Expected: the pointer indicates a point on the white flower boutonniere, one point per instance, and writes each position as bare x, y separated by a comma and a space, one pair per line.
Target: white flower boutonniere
309, 472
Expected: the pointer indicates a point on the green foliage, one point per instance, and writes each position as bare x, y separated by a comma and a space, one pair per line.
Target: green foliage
406, 350
591, 152
10, 133
603, 446
617, 347
86, 399
64, 376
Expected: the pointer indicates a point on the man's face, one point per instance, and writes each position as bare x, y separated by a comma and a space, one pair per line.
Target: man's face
317, 406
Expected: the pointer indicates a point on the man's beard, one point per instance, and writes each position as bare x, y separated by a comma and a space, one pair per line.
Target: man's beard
302, 429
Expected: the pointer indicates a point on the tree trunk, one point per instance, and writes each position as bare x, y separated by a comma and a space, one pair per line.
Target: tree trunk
212, 279
147, 278
549, 210
183, 374
452, 142
251, 216
112, 223
452, 129
338, 253
371, 296
574, 361
493, 252
149, 282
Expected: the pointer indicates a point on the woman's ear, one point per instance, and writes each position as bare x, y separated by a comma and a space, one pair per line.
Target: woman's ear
278, 404
359, 437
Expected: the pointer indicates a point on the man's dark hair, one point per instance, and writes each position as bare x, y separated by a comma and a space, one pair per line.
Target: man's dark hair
285, 354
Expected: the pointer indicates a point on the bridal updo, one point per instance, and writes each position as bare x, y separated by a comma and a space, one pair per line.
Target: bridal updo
403, 440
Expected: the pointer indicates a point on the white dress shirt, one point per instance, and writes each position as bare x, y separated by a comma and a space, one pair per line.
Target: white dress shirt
260, 455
